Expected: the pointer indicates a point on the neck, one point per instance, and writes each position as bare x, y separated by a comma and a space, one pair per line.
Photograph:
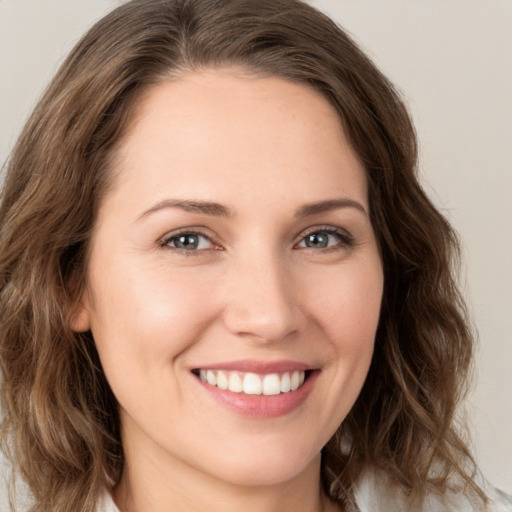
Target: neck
149, 487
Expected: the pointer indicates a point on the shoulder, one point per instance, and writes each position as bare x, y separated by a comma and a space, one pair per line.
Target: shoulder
375, 492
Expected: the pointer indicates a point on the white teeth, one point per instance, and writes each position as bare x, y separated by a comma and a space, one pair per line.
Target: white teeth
253, 383
222, 380
235, 383
295, 380
271, 384
211, 378
286, 384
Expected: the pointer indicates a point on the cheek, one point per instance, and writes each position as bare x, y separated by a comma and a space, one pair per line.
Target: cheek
347, 311
146, 316
346, 303
344, 307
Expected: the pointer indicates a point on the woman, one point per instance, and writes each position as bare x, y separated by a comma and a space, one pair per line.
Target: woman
221, 283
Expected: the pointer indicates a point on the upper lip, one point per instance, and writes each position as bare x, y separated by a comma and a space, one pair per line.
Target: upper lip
261, 367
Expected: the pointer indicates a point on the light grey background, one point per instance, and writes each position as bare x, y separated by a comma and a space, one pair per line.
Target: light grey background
453, 61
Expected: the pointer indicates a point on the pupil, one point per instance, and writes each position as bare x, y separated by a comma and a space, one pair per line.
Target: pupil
187, 242
317, 240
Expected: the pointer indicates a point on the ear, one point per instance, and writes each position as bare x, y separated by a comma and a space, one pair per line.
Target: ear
80, 318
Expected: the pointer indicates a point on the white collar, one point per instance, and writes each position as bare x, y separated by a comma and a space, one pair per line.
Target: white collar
374, 492
107, 504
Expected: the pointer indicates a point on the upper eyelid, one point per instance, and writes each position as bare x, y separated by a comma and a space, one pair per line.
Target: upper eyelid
324, 228
163, 240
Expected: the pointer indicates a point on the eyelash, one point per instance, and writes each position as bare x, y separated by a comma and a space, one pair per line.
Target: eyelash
166, 241
345, 240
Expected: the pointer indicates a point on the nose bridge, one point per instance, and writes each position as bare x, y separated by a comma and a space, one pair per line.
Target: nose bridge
261, 301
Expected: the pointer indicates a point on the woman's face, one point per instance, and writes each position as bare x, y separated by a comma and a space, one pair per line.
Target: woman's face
232, 261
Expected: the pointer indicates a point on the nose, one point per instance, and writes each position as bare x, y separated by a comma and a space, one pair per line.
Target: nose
262, 301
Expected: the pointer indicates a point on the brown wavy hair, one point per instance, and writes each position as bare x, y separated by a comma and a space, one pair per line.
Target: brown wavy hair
60, 424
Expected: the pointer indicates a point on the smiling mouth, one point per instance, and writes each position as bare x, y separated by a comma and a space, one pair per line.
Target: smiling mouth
249, 383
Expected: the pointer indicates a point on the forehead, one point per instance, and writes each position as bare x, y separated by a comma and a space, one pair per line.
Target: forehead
203, 131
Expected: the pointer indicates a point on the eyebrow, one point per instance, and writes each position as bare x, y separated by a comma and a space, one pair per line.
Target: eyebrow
219, 210
204, 207
329, 205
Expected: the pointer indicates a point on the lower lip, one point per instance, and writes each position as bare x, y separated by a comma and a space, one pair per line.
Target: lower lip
262, 406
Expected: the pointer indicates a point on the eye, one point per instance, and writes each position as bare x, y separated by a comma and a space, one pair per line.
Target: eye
326, 238
188, 241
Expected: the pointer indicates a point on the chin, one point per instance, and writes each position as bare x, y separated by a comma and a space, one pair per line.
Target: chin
264, 467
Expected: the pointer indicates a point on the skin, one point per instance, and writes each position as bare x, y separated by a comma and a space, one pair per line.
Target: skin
263, 148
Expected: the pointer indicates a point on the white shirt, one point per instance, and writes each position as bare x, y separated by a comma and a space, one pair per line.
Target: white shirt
373, 494
107, 504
